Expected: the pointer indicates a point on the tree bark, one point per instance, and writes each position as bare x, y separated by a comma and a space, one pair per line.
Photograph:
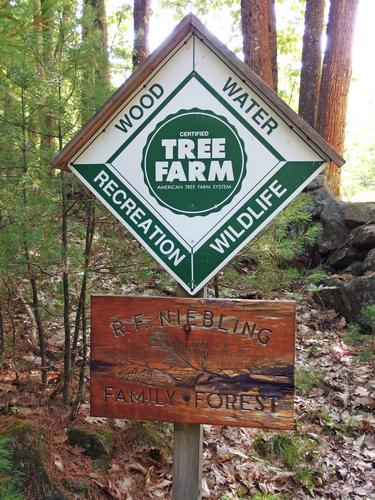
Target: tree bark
311, 61
90, 228
141, 16
81, 382
26, 250
66, 295
40, 328
273, 42
100, 23
335, 82
38, 37
255, 20
2, 333
42, 18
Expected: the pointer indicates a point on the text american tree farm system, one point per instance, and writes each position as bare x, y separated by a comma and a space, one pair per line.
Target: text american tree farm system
197, 157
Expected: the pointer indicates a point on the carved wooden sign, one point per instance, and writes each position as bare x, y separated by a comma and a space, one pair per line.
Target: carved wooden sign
224, 362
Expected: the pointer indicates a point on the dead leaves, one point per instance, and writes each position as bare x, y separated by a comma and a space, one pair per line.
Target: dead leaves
337, 414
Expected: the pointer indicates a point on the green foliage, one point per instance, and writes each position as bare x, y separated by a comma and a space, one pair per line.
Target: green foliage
257, 496
290, 23
9, 478
364, 334
264, 264
120, 29
355, 335
265, 496
334, 427
368, 317
358, 178
295, 452
306, 380
154, 433
216, 14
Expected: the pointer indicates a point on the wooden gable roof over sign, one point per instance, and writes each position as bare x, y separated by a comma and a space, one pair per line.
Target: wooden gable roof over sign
191, 26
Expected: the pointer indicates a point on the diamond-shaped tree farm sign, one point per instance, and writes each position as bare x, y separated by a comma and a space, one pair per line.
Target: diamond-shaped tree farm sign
195, 154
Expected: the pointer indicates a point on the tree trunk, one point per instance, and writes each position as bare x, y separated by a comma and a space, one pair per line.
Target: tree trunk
65, 283
335, 82
90, 228
42, 19
39, 324
100, 23
81, 382
141, 16
2, 333
311, 61
38, 37
273, 41
255, 19
26, 250
95, 70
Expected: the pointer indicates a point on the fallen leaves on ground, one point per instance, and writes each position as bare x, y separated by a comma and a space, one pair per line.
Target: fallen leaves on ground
334, 412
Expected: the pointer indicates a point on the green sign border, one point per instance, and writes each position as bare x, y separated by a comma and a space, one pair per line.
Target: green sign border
198, 267
213, 92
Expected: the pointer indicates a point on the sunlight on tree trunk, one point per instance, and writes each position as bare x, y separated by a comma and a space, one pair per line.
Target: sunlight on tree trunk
142, 12
311, 61
257, 50
100, 23
336, 75
273, 41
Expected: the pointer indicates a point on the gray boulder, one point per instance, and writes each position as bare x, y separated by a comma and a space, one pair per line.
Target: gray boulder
28, 448
318, 182
357, 214
348, 297
355, 269
343, 257
362, 237
98, 443
329, 211
369, 262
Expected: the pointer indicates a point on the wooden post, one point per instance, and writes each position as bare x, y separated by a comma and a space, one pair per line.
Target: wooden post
187, 449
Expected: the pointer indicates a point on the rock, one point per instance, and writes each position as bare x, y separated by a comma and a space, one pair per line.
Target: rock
330, 213
98, 443
343, 257
369, 262
56, 339
27, 444
307, 259
355, 269
31, 358
349, 296
318, 182
362, 237
357, 214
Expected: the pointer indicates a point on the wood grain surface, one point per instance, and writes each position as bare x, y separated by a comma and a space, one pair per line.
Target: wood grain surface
189, 360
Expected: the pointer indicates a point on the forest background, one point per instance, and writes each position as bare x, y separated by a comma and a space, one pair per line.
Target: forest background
59, 61
357, 176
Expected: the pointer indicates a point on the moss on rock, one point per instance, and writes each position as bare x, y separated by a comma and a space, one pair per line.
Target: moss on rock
27, 444
98, 443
